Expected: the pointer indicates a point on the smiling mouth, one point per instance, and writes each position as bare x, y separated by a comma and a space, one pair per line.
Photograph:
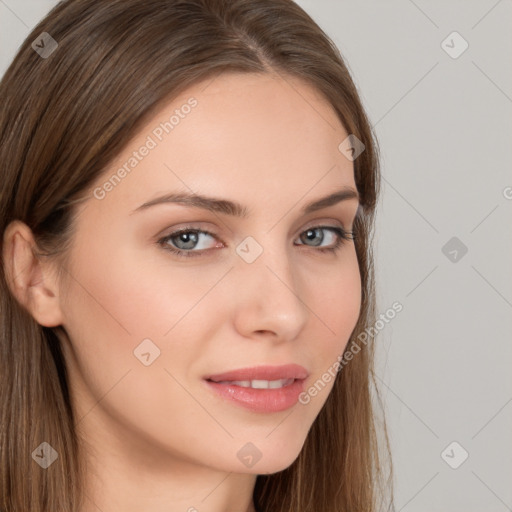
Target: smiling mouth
257, 384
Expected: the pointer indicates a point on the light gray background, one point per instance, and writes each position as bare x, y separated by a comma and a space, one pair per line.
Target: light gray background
444, 125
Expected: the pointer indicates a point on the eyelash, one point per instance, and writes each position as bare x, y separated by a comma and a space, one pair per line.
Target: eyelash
343, 236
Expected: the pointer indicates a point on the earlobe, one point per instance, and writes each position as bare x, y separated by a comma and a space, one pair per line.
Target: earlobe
28, 277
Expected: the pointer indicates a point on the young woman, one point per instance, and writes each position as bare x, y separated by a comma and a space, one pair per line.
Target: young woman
187, 204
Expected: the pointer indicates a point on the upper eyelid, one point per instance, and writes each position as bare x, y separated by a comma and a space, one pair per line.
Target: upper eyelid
351, 217
313, 224
322, 222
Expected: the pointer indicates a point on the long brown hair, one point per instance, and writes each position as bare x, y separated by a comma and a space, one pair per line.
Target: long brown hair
63, 118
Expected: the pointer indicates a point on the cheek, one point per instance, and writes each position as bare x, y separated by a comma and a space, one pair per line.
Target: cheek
338, 293
120, 297
116, 301
131, 293
335, 305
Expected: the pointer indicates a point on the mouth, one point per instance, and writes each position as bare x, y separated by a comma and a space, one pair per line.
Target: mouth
264, 389
257, 383
259, 376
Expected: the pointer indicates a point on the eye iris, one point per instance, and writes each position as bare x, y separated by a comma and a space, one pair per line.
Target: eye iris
311, 233
189, 237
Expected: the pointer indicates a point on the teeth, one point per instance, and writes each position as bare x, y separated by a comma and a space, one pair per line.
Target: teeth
259, 384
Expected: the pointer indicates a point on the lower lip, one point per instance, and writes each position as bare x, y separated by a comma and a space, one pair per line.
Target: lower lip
261, 400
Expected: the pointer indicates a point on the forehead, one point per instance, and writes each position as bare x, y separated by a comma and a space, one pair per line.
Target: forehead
253, 137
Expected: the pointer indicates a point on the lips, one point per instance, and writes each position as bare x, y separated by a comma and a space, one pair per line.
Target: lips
262, 389
261, 373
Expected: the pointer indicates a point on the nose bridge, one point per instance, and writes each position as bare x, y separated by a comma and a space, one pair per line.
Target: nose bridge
268, 259
269, 287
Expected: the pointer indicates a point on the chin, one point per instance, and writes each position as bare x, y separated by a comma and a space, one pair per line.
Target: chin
272, 467
275, 462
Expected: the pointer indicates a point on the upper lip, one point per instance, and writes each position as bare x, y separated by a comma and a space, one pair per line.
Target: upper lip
287, 371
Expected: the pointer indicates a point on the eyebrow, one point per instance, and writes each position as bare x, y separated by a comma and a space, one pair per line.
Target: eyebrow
235, 209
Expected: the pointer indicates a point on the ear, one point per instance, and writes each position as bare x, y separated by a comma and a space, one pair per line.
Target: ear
31, 279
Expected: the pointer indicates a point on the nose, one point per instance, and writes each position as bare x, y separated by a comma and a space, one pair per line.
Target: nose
269, 297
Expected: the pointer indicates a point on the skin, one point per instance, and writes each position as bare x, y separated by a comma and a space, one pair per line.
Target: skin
157, 439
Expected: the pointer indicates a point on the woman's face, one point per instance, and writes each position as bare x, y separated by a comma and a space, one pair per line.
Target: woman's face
147, 327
